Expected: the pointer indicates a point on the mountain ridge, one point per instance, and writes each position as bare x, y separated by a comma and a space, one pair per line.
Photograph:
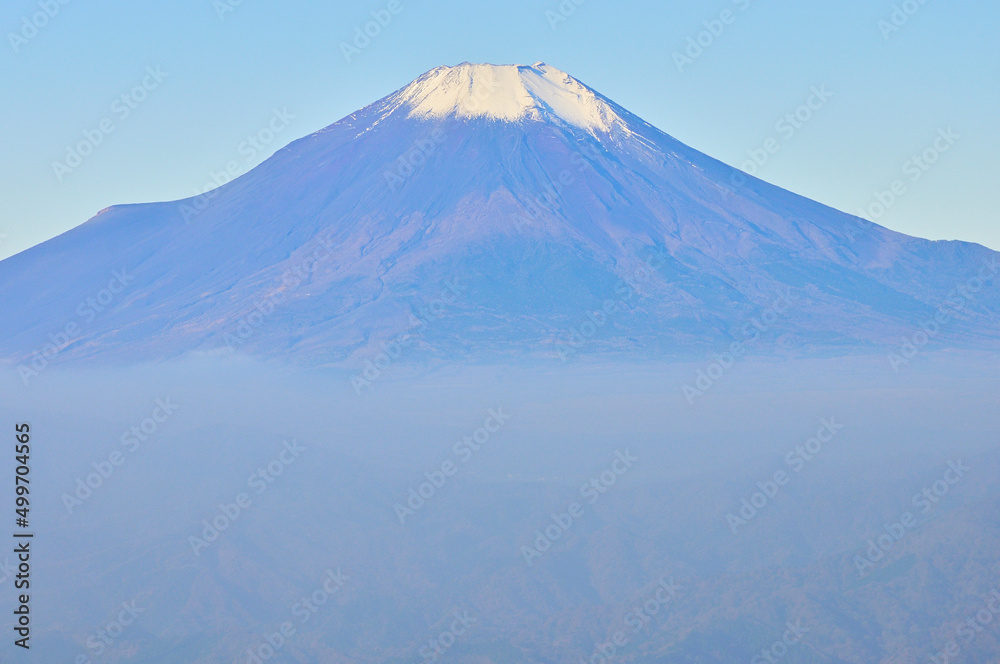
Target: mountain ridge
542, 217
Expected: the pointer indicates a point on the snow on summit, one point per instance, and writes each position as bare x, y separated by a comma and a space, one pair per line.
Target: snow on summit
508, 93
542, 195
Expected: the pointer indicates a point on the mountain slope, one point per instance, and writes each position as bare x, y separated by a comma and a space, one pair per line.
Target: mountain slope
484, 211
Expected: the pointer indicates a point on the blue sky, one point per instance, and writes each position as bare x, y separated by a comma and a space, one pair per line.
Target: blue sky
210, 74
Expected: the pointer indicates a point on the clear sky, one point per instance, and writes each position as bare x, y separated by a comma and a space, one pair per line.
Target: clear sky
222, 69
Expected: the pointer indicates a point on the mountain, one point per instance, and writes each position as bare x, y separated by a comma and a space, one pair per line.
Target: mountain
486, 212
482, 215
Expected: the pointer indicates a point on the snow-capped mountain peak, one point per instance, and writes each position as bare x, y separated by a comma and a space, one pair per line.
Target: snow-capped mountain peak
509, 93
478, 176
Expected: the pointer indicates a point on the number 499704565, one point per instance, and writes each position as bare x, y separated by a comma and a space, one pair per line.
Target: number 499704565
23, 452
